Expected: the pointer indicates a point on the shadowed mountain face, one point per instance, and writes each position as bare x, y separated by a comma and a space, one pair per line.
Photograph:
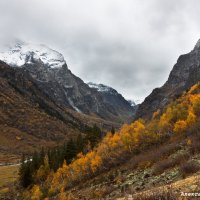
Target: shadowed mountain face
54, 78
28, 118
31, 119
185, 73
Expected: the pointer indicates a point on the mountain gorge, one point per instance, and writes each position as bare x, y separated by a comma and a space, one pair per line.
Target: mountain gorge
43, 103
154, 157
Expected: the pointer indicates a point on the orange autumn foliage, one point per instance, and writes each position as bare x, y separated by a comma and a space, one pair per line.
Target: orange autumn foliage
180, 126
62, 195
36, 193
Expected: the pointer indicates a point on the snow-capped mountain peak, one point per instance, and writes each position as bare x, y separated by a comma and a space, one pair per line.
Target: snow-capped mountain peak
20, 53
102, 88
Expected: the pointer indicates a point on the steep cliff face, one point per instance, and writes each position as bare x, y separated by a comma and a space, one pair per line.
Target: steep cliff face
54, 78
185, 73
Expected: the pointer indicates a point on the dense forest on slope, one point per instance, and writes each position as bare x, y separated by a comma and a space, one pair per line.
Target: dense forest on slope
178, 124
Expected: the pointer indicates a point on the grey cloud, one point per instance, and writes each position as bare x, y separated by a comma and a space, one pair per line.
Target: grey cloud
130, 45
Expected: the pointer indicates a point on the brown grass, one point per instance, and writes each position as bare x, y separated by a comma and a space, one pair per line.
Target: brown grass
189, 168
154, 155
170, 162
195, 146
170, 191
8, 174
161, 195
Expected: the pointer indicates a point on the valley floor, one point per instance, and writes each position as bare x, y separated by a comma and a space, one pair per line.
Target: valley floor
8, 174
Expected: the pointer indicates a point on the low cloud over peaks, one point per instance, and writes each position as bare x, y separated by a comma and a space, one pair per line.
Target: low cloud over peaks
130, 45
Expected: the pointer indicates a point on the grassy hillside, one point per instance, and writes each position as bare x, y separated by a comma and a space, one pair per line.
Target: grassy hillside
137, 157
8, 175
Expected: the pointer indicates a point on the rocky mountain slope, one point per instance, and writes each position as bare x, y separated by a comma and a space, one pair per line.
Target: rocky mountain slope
113, 98
185, 73
30, 119
50, 70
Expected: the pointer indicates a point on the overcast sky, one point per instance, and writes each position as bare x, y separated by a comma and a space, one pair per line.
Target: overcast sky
130, 45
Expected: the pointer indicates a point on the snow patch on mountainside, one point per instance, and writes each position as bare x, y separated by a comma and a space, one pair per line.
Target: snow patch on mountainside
21, 53
132, 103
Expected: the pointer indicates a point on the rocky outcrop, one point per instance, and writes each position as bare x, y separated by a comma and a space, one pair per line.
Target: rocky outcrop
185, 73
